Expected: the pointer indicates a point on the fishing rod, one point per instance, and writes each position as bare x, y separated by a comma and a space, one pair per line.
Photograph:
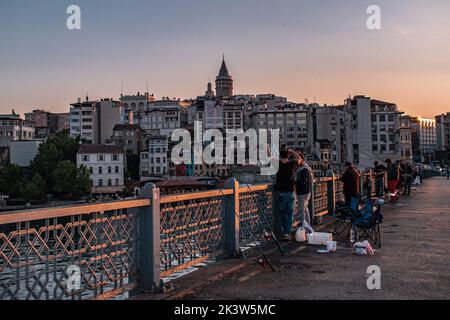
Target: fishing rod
265, 221
248, 232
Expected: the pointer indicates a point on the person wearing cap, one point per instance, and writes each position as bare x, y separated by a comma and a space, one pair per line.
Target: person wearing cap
351, 179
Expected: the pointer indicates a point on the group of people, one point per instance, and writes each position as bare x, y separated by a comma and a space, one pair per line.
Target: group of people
394, 177
294, 178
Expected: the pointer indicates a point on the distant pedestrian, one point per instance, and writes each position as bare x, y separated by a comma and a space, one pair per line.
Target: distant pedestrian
351, 181
303, 188
368, 183
379, 171
290, 161
407, 179
393, 177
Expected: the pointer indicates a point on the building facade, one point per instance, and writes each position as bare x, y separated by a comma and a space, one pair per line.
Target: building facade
155, 157
106, 163
47, 123
93, 121
129, 136
13, 128
374, 130
23, 152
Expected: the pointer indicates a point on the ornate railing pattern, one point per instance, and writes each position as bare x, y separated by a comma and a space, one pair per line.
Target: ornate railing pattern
79, 252
255, 212
192, 230
126, 245
321, 196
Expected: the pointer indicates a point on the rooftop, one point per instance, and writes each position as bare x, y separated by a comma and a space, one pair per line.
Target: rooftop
100, 148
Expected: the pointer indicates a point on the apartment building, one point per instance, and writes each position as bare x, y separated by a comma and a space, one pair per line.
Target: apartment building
106, 164
155, 157
94, 121
47, 123
374, 130
13, 128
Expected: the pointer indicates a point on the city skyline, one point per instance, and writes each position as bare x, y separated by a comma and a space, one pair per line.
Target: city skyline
320, 52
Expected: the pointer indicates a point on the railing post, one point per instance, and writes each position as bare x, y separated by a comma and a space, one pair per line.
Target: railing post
151, 241
231, 215
331, 195
312, 213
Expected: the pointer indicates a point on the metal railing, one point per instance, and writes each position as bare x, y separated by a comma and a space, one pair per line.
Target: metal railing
78, 252
121, 248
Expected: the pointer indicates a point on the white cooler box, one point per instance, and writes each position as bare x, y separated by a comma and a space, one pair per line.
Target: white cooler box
319, 238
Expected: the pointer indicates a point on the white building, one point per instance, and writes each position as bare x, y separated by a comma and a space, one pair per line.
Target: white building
12, 128
165, 115
106, 164
154, 159
427, 136
23, 152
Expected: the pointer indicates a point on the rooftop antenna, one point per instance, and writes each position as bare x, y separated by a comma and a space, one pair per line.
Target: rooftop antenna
147, 87
121, 88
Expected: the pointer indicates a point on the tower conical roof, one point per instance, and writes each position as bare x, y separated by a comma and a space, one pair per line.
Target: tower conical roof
224, 70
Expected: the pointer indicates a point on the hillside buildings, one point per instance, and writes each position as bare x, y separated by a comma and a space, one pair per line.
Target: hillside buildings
47, 123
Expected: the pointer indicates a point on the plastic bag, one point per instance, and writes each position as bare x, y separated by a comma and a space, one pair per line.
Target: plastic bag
363, 248
307, 227
300, 235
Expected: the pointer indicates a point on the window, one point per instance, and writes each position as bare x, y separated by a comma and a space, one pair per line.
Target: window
375, 148
117, 182
91, 170
100, 182
117, 169
109, 170
101, 157
100, 170
109, 182
382, 118
85, 158
115, 157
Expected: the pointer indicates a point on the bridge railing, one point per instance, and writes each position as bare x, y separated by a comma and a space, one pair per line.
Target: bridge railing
77, 252
115, 249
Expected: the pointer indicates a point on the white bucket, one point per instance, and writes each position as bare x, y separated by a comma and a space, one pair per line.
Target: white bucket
319, 238
331, 246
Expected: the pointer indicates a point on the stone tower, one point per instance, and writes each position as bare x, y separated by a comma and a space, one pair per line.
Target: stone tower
224, 82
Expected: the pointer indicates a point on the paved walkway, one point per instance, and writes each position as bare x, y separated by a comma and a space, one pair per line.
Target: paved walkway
414, 260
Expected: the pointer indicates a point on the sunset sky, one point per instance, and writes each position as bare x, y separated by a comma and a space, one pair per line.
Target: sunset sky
319, 50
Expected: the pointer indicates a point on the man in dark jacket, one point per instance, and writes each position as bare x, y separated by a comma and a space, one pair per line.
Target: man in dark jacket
303, 188
285, 186
393, 177
350, 178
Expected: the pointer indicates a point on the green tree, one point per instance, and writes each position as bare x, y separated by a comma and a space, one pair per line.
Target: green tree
133, 162
71, 182
36, 189
60, 147
12, 180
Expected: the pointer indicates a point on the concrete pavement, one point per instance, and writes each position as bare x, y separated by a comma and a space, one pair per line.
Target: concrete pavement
414, 260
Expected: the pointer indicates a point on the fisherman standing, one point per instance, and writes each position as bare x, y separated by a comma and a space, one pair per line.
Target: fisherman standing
303, 188
351, 183
285, 186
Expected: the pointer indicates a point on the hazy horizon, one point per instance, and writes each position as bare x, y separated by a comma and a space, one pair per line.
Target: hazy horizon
299, 49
